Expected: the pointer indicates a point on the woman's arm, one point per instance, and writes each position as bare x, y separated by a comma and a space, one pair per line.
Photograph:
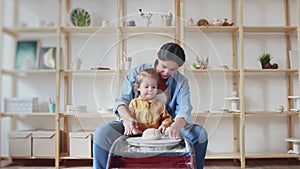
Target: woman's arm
180, 105
182, 102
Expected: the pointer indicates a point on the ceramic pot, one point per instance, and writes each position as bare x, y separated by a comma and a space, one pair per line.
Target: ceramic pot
266, 65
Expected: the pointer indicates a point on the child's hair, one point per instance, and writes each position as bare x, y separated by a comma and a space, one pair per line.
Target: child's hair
145, 73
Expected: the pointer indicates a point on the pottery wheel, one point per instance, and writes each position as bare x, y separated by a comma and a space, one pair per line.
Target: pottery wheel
163, 142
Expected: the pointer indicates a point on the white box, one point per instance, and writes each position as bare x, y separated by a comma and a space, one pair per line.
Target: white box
81, 143
21, 105
20, 143
43, 143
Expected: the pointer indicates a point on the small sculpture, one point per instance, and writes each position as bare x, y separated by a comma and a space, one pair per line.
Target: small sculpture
49, 60
190, 22
203, 22
225, 23
216, 22
146, 17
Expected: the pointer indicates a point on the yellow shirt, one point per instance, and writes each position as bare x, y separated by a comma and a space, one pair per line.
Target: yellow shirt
149, 114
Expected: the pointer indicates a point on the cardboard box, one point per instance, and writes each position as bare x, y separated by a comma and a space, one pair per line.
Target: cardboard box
43, 143
81, 143
20, 143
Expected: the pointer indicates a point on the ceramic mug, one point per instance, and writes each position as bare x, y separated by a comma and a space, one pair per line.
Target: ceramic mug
105, 23
167, 21
127, 65
76, 63
51, 107
130, 23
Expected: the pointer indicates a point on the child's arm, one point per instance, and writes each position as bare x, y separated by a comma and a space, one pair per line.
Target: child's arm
129, 127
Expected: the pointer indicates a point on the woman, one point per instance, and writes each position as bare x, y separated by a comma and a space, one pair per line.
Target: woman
173, 91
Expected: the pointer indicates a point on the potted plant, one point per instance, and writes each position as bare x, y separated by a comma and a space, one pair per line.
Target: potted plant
265, 59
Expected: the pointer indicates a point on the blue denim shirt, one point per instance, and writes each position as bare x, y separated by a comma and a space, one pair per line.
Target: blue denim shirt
179, 104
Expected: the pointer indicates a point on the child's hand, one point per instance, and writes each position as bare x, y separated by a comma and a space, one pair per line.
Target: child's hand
136, 131
162, 128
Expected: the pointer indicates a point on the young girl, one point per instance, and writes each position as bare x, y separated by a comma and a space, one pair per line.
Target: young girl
146, 109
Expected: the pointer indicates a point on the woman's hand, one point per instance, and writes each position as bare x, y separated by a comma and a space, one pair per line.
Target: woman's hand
174, 130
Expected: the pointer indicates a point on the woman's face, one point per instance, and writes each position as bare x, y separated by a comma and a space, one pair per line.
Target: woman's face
166, 68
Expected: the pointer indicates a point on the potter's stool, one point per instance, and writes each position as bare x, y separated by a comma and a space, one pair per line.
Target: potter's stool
123, 155
296, 147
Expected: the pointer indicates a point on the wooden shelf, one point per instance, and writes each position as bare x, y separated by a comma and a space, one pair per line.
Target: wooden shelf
271, 113
270, 71
222, 156
291, 71
211, 29
214, 113
4, 157
89, 30
89, 71
271, 155
227, 113
92, 115
67, 157
28, 114
251, 155
270, 29
216, 70
163, 29
28, 71
17, 30
32, 158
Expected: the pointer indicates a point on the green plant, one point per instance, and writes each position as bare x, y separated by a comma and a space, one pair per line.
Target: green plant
264, 58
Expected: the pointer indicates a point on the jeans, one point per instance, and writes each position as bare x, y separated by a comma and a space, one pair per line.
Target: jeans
107, 133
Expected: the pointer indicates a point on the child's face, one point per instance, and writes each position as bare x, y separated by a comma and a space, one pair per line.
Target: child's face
148, 88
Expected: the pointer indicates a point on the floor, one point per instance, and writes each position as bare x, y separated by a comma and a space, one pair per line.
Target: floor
209, 164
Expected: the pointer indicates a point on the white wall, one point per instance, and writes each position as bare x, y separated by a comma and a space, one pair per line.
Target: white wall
262, 92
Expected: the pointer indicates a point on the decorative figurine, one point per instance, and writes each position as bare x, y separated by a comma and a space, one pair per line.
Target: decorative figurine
226, 23
190, 22
146, 17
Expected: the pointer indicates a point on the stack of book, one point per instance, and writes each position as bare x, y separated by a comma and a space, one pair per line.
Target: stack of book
76, 109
